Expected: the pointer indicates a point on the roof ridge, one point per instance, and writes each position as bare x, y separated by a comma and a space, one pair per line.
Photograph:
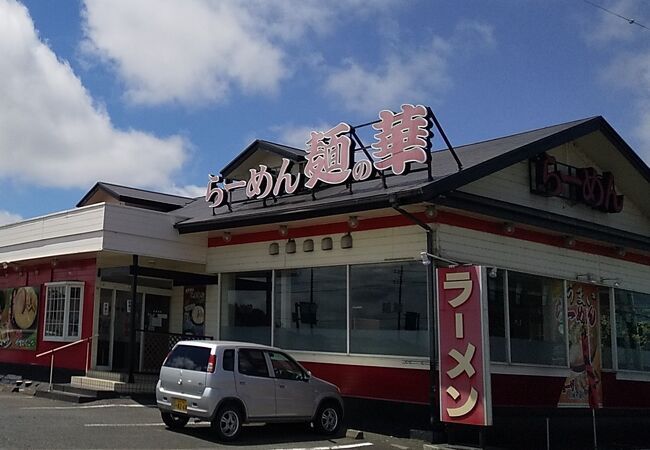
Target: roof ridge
571, 122
144, 190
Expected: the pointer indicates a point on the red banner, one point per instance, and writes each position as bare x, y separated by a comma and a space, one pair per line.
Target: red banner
583, 385
465, 392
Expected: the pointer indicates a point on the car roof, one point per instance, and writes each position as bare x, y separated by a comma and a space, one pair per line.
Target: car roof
237, 344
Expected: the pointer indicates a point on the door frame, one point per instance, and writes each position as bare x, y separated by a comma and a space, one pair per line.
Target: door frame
114, 287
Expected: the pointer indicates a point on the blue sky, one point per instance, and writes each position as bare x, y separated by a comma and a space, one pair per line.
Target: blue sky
159, 93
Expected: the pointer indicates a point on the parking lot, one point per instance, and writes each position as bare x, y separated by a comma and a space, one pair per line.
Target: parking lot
32, 422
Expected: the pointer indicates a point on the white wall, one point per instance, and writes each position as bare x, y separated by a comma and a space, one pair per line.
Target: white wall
368, 246
509, 253
64, 233
513, 185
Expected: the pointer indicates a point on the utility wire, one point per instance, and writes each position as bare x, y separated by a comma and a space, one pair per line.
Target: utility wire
627, 19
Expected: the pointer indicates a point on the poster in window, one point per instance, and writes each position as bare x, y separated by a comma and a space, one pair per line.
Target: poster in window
583, 385
194, 310
18, 318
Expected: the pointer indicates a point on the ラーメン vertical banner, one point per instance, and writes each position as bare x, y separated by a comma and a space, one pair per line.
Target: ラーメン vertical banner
583, 385
465, 391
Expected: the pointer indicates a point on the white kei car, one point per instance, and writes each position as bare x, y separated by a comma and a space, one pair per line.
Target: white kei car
232, 383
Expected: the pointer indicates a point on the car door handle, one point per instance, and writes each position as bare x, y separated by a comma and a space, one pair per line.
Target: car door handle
282, 386
242, 382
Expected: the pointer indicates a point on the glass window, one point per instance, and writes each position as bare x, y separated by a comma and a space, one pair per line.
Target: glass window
497, 316
285, 368
632, 330
229, 360
536, 319
388, 309
252, 363
246, 307
63, 311
310, 309
605, 328
189, 357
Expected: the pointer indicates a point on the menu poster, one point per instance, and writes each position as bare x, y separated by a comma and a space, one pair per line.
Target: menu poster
583, 386
18, 318
194, 310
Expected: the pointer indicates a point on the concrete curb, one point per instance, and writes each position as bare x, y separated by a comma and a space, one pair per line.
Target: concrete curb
354, 434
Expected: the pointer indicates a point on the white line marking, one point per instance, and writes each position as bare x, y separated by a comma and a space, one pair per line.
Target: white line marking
95, 425
334, 447
85, 407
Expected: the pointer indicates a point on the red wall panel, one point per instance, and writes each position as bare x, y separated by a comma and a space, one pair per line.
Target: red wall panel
37, 275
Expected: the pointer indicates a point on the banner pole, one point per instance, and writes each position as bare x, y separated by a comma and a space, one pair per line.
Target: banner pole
593, 416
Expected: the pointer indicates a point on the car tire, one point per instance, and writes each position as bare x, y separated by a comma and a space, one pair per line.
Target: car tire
174, 421
228, 422
328, 418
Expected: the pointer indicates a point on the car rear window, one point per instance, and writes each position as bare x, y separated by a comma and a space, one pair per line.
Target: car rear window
189, 357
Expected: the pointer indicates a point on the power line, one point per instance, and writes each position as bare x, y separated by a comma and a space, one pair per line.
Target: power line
627, 19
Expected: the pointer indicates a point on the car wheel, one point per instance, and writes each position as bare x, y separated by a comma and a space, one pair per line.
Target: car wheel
228, 423
328, 418
174, 421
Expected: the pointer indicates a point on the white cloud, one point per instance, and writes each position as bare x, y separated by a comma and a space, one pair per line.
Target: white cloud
6, 217
51, 133
298, 135
191, 190
196, 52
407, 76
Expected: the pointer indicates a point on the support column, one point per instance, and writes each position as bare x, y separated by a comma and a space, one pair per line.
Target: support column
134, 296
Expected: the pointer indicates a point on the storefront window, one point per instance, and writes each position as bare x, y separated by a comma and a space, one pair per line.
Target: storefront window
605, 317
633, 330
536, 320
246, 307
497, 315
310, 309
388, 309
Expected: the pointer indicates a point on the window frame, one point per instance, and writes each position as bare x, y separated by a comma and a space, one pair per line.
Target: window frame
68, 285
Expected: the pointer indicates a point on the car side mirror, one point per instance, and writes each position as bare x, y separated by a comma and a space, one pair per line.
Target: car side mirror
307, 376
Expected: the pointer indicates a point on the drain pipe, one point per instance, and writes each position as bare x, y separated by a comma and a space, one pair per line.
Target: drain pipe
436, 425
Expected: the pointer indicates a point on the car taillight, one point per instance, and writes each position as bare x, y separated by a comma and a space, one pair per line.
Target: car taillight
212, 363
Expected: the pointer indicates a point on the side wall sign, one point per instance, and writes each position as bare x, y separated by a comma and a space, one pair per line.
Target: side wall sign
584, 185
463, 345
402, 138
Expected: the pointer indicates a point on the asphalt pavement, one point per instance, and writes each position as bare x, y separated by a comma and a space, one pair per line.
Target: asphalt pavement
125, 423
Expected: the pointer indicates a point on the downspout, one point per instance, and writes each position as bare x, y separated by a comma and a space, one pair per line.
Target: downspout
436, 425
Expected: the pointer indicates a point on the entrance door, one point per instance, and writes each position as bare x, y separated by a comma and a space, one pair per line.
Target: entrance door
122, 328
105, 329
155, 343
114, 325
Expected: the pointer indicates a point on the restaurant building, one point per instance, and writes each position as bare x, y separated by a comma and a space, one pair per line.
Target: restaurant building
558, 218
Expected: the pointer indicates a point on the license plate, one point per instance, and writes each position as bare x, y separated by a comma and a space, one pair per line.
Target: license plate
179, 404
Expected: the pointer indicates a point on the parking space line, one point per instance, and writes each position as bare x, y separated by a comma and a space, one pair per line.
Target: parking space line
86, 407
333, 447
124, 424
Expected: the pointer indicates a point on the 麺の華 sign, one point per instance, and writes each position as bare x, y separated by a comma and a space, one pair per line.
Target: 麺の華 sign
465, 390
402, 138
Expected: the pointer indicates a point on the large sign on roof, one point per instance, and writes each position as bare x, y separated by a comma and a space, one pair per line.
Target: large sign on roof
401, 139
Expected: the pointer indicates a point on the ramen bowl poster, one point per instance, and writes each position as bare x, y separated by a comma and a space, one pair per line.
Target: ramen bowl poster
18, 318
